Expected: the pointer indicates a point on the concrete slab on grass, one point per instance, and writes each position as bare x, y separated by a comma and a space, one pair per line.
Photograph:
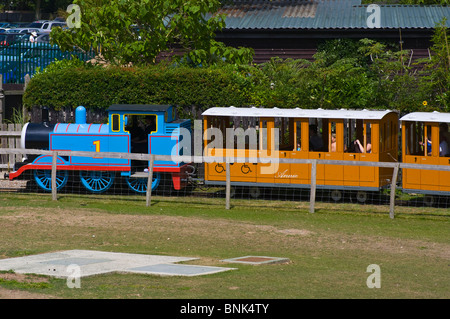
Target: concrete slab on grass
257, 260
98, 262
179, 270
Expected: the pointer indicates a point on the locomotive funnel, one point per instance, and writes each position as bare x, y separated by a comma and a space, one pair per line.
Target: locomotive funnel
80, 115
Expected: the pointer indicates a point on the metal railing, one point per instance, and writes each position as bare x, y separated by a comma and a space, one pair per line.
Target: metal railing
20, 57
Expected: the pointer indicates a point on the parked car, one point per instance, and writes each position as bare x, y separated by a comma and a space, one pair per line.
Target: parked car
43, 38
38, 37
6, 39
22, 30
46, 27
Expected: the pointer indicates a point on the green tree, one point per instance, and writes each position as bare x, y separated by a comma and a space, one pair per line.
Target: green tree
135, 32
435, 80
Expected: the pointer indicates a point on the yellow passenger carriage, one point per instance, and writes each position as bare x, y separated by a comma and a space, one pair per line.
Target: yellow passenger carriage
425, 141
262, 133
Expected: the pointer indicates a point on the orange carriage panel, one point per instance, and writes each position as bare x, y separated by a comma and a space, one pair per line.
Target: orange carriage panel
351, 173
300, 173
242, 171
283, 173
444, 176
217, 170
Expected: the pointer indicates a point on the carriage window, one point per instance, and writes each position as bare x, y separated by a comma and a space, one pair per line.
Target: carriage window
444, 139
285, 140
263, 135
243, 134
418, 139
318, 135
298, 126
353, 132
332, 137
367, 140
426, 140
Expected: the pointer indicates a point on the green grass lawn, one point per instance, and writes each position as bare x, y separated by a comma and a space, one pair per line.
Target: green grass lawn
329, 250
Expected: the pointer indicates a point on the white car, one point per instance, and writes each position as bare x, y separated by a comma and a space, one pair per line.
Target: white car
46, 27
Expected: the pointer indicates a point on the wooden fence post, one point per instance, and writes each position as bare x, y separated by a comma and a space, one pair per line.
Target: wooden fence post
2, 100
393, 186
54, 158
24, 109
228, 185
312, 199
150, 181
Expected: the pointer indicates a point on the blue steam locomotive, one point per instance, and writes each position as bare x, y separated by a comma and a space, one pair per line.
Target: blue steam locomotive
152, 129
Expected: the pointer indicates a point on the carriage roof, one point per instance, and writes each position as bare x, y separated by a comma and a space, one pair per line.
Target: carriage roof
427, 117
296, 113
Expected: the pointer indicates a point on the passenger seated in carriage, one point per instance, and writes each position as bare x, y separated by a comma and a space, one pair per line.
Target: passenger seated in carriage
315, 141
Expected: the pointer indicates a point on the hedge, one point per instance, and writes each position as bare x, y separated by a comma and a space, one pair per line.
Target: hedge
98, 88
283, 84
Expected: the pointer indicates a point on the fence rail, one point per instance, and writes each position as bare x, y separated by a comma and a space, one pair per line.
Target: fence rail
9, 138
228, 160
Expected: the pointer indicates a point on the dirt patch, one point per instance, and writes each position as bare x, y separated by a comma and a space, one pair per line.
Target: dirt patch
20, 294
23, 278
86, 225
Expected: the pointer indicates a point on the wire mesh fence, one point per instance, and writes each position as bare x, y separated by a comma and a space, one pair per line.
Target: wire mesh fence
145, 182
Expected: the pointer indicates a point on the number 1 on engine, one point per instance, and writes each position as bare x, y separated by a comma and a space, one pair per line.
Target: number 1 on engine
97, 147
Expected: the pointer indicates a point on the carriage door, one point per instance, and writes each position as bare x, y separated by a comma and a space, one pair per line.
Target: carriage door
318, 144
429, 179
267, 149
334, 174
444, 159
369, 142
420, 146
352, 131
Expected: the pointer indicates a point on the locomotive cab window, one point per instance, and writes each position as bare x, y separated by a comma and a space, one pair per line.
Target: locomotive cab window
115, 122
140, 126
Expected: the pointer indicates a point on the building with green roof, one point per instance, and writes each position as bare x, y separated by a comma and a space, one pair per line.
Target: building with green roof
293, 29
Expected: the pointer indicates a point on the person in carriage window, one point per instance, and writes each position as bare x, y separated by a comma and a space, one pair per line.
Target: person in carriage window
360, 147
315, 141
